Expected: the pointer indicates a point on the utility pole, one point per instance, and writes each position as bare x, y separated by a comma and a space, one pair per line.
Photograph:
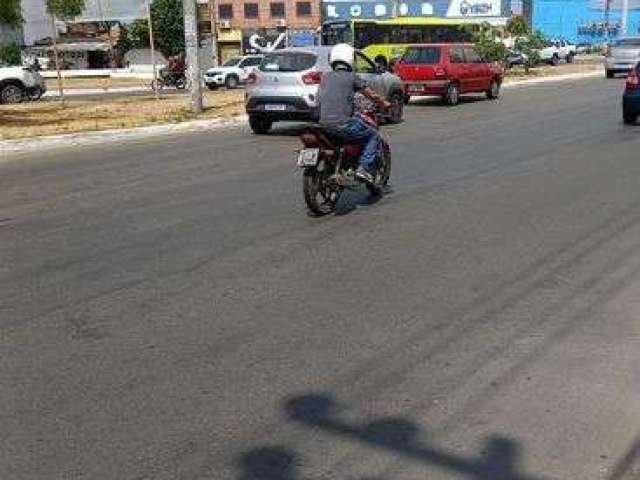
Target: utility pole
625, 16
153, 51
191, 45
56, 55
213, 13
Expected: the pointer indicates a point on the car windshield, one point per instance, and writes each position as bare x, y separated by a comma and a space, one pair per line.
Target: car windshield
423, 56
627, 42
288, 62
232, 62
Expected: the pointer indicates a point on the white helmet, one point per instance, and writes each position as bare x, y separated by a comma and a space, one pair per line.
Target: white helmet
342, 53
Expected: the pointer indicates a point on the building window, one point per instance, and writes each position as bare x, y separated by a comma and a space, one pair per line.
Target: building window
303, 9
250, 10
277, 10
225, 11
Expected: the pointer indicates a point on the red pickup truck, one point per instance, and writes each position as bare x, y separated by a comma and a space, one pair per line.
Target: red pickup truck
447, 70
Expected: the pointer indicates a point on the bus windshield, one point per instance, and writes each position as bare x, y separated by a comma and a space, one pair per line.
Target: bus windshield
334, 33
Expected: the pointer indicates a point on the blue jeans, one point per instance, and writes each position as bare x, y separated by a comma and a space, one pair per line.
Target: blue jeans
355, 130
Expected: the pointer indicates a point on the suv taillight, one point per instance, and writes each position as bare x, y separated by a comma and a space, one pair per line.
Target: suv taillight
632, 80
312, 78
252, 78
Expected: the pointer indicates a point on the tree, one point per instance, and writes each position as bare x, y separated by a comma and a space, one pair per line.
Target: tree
10, 13
517, 27
138, 34
62, 9
168, 26
65, 8
487, 43
10, 54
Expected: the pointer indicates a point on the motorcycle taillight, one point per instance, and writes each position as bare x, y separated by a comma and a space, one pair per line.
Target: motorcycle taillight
309, 140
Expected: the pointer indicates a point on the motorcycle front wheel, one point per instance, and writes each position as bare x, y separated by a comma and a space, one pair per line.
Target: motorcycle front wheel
321, 198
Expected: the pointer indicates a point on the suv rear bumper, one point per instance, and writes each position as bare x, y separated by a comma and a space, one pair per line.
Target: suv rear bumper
294, 108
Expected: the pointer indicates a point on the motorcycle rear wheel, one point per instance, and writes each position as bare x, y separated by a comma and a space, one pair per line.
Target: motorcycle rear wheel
320, 197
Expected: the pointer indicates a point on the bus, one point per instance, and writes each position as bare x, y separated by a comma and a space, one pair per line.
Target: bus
386, 40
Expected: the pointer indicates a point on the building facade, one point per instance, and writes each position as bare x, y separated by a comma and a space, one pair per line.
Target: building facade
243, 26
372, 9
585, 21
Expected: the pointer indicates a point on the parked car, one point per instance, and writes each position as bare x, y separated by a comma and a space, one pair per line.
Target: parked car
622, 56
556, 50
20, 83
233, 72
285, 86
631, 97
448, 71
516, 58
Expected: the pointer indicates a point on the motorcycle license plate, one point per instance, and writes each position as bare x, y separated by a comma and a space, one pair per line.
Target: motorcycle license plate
308, 157
277, 107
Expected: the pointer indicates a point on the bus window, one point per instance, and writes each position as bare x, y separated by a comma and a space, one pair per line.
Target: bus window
369, 33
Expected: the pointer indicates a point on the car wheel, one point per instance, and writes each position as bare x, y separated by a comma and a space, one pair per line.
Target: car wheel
260, 124
35, 95
494, 90
231, 82
452, 97
407, 99
570, 58
396, 110
629, 118
11, 93
555, 60
611, 74
212, 86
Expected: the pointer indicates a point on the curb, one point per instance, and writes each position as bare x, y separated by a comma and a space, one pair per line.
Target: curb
13, 147
81, 139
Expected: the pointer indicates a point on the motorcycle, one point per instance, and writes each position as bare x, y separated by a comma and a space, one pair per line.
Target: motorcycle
177, 80
329, 164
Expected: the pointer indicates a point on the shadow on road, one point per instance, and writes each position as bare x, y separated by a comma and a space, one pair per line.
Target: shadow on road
499, 460
437, 101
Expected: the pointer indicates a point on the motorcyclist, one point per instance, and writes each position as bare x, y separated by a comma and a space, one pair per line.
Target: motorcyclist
337, 92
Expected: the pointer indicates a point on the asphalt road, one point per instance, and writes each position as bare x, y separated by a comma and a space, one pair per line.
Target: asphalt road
169, 311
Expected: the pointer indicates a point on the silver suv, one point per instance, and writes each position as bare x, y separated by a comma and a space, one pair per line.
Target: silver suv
285, 87
622, 56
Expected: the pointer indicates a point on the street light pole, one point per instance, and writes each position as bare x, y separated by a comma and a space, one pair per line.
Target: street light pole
153, 51
191, 45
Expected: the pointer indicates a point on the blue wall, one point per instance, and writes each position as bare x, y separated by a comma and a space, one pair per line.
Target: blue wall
579, 21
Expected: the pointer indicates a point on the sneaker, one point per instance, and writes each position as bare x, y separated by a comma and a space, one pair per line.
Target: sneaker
363, 175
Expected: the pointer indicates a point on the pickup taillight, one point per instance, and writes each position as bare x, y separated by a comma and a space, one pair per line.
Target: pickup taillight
312, 78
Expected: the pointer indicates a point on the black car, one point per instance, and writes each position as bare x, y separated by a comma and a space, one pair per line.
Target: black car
631, 98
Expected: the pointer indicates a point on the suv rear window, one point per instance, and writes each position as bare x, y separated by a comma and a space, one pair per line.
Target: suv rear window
288, 62
422, 56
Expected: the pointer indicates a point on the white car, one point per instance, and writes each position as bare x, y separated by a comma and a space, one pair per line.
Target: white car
233, 72
19, 83
557, 50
